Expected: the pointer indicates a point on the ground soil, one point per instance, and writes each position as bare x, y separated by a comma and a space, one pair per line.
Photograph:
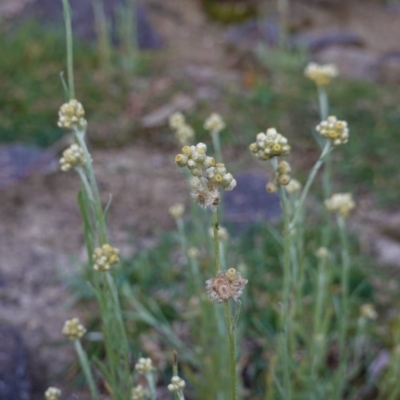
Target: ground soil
41, 233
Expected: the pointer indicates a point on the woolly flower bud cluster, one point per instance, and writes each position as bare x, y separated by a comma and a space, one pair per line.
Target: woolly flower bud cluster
176, 211
226, 285
105, 257
73, 329
336, 131
71, 115
321, 75
270, 144
138, 393
52, 393
144, 366
207, 175
222, 233
293, 186
282, 177
183, 132
214, 123
341, 203
176, 384
72, 157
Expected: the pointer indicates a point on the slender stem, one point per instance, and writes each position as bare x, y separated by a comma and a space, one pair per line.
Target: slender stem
70, 54
217, 146
345, 298
83, 360
286, 296
232, 351
182, 237
323, 103
152, 385
309, 182
216, 241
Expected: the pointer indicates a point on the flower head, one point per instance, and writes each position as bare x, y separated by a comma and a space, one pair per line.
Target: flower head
321, 75
184, 133
52, 393
293, 186
105, 257
322, 252
139, 393
72, 157
270, 144
177, 384
73, 329
71, 115
176, 120
193, 253
341, 203
368, 311
214, 123
226, 285
177, 210
336, 131
144, 366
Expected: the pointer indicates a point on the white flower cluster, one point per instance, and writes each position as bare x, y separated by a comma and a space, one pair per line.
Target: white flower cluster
368, 311
139, 393
321, 75
207, 175
293, 186
144, 365
176, 384
334, 130
72, 157
270, 144
105, 257
341, 203
52, 393
177, 210
183, 132
214, 123
71, 115
73, 329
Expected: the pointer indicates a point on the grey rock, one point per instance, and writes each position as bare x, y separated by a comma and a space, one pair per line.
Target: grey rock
51, 12
14, 378
352, 62
18, 160
250, 33
314, 41
389, 68
250, 202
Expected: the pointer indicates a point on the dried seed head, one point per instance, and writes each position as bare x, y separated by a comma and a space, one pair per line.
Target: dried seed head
321, 75
52, 393
71, 115
177, 210
341, 203
335, 131
226, 285
214, 123
144, 365
105, 257
73, 329
205, 197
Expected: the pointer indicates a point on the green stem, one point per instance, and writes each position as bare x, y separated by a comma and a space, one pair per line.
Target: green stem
217, 146
216, 241
323, 103
345, 298
70, 54
309, 182
232, 351
182, 237
152, 385
84, 362
286, 296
